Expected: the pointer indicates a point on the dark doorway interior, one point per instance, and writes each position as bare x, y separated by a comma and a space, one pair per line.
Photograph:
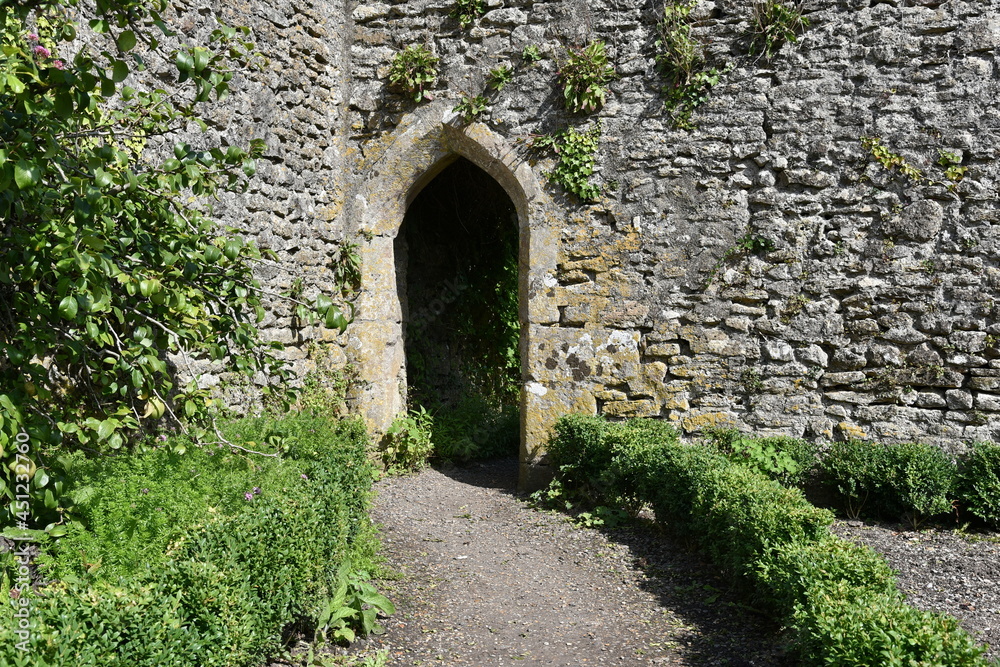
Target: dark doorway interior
457, 263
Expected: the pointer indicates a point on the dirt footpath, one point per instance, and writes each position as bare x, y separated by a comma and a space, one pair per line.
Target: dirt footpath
488, 581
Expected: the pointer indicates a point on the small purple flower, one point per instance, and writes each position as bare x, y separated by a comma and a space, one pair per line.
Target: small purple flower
248, 496
256, 491
163, 436
40, 50
304, 476
144, 491
58, 64
32, 37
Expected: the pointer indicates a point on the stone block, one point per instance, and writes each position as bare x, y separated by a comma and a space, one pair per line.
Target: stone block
956, 399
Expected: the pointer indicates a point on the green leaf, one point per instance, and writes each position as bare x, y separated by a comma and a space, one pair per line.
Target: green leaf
126, 40
68, 307
63, 104
15, 84
57, 530
102, 178
184, 61
202, 57
106, 428
212, 254
119, 71
232, 248
27, 174
335, 319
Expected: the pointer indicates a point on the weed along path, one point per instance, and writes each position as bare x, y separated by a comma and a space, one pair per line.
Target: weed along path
489, 581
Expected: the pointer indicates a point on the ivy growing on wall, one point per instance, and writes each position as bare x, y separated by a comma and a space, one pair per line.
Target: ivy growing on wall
576, 151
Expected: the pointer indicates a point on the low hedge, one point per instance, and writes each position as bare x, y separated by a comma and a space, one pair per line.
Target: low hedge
230, 588
839, 599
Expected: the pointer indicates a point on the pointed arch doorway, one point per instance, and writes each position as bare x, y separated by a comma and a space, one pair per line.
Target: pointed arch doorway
397, 172
457, 268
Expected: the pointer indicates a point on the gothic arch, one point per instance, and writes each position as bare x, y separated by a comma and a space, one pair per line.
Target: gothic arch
397, 170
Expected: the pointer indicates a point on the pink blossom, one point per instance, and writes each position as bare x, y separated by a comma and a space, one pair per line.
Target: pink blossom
304, 476
42, 51
58, 64
32, 37
248, 496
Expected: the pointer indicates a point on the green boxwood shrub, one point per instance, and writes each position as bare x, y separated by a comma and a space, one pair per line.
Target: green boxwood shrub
840, 599
921, 481
856, 470
837, 628
231, 585
910, 480
979, 482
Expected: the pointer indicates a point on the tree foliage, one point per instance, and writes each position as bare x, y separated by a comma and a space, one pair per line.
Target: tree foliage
107, 271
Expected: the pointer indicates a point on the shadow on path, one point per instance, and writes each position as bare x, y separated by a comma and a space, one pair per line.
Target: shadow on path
489, 581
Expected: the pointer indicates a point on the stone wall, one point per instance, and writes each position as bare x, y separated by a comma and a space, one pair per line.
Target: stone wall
760, 271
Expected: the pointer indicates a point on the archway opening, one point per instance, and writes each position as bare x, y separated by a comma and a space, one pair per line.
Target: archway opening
457, 272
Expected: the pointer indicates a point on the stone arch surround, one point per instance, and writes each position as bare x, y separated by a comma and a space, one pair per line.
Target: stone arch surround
412, 158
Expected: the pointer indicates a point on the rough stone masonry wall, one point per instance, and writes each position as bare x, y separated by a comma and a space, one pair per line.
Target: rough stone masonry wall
875, 313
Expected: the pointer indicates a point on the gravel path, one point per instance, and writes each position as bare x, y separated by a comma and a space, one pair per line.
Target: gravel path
940, 570
488, 581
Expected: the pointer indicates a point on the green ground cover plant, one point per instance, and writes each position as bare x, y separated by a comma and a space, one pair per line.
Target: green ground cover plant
839, 599
108, 263
407, 444
247, 547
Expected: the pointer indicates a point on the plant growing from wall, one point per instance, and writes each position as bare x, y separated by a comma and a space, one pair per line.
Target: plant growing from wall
890, 160
469, 108
414, 69
584, 77
531, 54
680, 57
746, 245
773, 23
576, 151
950, 164
500, 77
467, 11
